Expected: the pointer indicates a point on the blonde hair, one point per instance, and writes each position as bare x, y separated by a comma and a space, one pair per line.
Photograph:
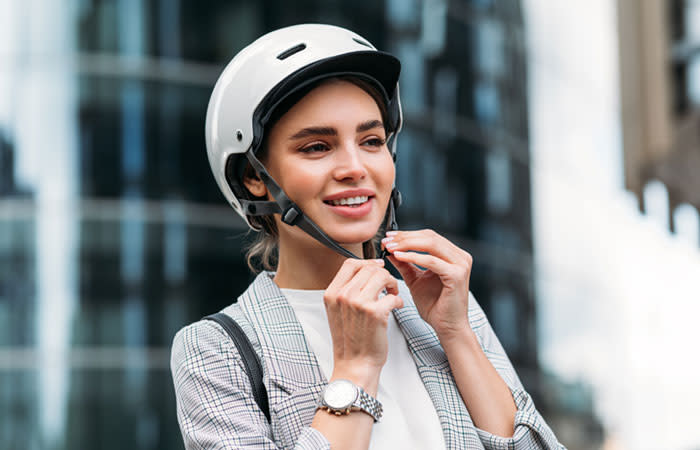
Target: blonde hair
263, 252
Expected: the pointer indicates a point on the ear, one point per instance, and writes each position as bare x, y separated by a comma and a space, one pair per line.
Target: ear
253, 183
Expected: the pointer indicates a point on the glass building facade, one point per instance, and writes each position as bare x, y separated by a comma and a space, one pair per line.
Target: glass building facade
113, 233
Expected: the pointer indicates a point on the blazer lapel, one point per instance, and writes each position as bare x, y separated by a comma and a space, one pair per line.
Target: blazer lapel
435, 372
292, 375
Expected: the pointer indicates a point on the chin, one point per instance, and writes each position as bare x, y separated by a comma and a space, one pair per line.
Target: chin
350, 238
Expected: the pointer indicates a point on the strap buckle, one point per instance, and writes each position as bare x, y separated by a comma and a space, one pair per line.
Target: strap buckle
291, 215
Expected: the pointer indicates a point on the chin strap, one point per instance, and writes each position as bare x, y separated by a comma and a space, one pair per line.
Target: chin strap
291, 214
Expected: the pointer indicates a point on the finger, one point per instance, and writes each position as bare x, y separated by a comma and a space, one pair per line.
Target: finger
379, 281
425, 241
408, 271
353, 289
346, 273
430, 262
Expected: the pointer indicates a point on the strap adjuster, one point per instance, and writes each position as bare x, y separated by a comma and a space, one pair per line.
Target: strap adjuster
291, 214
396, 198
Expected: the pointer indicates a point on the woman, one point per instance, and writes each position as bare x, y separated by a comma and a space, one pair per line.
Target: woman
301, 133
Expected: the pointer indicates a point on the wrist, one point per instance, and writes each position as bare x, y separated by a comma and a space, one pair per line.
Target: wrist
365, 376
341, 397
458, 338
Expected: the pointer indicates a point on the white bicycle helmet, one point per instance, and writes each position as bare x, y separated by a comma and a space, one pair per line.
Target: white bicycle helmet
264, 77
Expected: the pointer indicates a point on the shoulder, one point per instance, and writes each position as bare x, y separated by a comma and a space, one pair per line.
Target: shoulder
205, 334
204, 344
205, 341
193, 342
200, 332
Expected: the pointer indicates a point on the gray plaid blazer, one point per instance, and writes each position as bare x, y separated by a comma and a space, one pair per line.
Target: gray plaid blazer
215, 405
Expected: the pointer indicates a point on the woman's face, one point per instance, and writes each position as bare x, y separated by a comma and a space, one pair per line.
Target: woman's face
329, 154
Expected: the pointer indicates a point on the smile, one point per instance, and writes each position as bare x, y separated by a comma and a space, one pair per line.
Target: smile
349, 201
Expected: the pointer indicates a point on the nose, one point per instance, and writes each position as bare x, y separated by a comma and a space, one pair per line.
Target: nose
350, 164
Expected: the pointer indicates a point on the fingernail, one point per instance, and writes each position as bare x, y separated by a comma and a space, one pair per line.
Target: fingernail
387, 239
392, 233
398, 253
378, 260
391, 245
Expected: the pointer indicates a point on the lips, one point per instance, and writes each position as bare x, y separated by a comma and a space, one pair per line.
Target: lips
352, 203
350, 196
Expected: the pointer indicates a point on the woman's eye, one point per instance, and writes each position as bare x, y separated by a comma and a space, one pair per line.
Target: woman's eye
375, 142
315, 147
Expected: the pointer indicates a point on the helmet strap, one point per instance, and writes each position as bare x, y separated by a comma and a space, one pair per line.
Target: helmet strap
290, 212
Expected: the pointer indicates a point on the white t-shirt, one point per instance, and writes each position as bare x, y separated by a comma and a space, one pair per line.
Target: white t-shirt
409, 420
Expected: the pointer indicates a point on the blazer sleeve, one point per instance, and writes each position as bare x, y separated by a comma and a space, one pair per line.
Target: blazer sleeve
530, 429
215, 404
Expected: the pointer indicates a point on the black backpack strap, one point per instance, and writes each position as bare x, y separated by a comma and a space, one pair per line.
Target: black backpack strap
249, 357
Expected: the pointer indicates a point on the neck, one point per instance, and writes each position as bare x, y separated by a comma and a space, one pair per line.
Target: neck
308, 264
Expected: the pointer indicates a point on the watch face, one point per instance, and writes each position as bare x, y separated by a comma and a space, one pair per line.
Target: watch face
340, 394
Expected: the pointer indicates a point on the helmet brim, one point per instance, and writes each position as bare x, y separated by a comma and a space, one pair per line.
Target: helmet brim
380, 68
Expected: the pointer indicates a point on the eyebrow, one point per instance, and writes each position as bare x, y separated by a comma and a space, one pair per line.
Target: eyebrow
330, 131
369, 125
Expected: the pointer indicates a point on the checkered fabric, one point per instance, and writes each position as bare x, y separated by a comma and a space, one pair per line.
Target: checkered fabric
215, 405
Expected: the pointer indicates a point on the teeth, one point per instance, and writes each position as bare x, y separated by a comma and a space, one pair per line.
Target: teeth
350, 200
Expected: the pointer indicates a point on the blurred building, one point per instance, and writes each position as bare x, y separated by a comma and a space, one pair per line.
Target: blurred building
463, 165
659, 85
7, 178
124, 237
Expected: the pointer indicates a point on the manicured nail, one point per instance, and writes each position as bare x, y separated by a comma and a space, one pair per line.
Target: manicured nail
387, 240
399, 253
392, 233
391, 245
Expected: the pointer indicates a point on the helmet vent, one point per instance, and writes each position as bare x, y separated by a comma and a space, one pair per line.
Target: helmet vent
361, 42
290, 51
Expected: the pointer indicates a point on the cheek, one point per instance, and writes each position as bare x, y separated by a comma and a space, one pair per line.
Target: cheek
392, 171
299, 181
386, 171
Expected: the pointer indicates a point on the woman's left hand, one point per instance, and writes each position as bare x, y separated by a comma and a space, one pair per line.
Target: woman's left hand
441, 292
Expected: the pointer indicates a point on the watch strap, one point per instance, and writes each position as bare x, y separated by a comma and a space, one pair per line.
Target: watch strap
369, 404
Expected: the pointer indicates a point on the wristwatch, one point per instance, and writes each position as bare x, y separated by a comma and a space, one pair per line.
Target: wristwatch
343, 396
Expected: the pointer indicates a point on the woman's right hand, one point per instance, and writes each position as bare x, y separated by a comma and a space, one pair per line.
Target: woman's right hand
358, 318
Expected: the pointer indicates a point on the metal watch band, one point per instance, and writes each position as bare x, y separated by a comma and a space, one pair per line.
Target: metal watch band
369, 404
